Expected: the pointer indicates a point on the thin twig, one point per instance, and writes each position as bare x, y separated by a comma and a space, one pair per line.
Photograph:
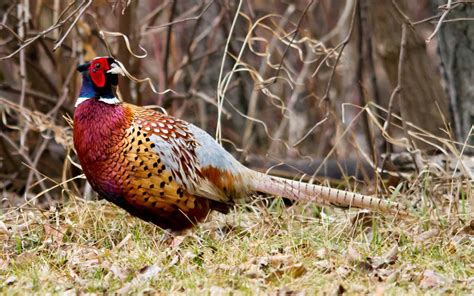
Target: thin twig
295, 32
81, 12
398, 87
447, 9
41, 34
221, 89
342, 45
168, 44
193, 18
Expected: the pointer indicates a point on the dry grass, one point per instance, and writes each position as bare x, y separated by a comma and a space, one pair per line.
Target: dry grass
95, 247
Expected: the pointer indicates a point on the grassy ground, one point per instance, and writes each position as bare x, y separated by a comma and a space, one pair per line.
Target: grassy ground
94, 247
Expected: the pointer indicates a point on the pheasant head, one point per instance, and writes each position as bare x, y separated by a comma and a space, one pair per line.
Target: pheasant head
99, 77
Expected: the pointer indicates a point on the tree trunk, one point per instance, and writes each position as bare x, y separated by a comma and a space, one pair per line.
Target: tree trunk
422, 100
456, 50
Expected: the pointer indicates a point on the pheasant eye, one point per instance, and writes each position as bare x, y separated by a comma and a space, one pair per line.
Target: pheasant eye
97, 66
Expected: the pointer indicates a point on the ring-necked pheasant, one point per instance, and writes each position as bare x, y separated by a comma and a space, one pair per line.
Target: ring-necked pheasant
166, 170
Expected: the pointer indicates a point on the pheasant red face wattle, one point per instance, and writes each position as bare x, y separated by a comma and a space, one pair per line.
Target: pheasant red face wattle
97, 71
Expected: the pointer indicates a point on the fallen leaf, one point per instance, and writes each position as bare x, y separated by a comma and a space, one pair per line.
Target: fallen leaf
254, 271
217, 291
26, 258
10, 280
379, 290
277, 260
287, 292
4, 229
382, 274
325, 266
340, 290
386, 259
431, 279
123, 242
148, 272
468, 229
359, 289
173, 261
343, 272
295, 271
353, 255
322, 253
228, 268
3, 264
118, 272
427, 235
393, 277
54, 234
87, 257
177, 241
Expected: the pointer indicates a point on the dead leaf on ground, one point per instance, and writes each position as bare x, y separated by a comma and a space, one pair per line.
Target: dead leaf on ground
53, 234
4, 229
4, 264
217, 291
287, 292
10, 280
393, 277
342, 271
122, 243
254, 271
431, 279
359, 289
353, 255
468, 228
386, 259
340, 290
408, 273
379, 290
322, 253
144, 274
383, 274
427, 235
87, 257
295, 271
148, 272
26, 258
120, 273
277, 260
177, 241
324, 266
273, 266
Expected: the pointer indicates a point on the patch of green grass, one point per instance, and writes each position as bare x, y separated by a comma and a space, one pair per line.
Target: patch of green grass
94, 247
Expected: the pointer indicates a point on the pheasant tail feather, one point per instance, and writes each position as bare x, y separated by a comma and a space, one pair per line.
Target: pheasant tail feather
296, 190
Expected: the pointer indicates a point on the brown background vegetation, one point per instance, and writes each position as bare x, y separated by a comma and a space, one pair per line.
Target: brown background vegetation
285, 101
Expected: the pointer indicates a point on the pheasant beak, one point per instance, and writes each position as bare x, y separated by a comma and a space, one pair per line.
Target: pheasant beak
83, 67
116, 69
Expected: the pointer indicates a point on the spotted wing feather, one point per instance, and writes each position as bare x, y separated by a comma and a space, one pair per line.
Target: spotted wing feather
193, 158
175, 172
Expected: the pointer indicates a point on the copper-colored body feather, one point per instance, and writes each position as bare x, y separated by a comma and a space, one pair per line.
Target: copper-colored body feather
125, 168
171, 173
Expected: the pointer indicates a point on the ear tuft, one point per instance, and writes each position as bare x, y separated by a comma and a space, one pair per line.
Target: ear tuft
83, 67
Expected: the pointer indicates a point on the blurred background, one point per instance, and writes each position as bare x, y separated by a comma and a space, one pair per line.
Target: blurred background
302, 88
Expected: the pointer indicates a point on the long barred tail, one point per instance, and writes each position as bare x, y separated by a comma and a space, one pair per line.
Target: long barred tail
322, 195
